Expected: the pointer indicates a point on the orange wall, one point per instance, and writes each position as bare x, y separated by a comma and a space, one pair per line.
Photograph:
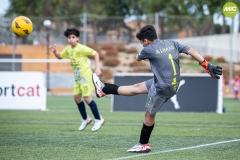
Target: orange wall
37, 52
40, 52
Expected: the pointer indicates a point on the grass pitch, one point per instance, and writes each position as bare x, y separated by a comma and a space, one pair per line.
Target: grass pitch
54, 134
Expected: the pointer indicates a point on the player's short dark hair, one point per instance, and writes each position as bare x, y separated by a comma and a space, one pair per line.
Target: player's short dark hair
71, 31
147, 32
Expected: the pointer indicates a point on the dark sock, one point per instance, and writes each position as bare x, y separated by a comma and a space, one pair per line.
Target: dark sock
145, 133
82, 110
94, 109
110, 88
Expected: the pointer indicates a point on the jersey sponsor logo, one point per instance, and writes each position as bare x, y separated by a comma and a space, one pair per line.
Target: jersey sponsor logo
78, 78
166, 49
74, 64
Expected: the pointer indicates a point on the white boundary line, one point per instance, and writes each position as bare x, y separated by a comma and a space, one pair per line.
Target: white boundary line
179, 149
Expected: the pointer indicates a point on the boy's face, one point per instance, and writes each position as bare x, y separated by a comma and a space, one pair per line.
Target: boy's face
72, 39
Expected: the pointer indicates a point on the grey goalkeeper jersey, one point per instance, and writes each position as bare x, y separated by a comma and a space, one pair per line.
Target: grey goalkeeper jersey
163, 56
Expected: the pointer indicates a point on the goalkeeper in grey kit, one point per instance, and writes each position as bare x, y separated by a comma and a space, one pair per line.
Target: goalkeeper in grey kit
163, 56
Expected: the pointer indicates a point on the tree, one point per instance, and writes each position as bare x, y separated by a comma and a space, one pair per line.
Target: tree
198, 13
48, 8
116, 12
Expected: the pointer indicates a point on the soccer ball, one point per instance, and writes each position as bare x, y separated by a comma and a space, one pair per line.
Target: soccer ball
22, 26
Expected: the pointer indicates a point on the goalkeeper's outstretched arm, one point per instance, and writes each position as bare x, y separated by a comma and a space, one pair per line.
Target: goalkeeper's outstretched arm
195, 55
214, 71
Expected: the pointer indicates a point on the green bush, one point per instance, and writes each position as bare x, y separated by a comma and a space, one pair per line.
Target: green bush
220, 59
111, 61
208, 58
111, 52
132, 50
107, 46
121, 48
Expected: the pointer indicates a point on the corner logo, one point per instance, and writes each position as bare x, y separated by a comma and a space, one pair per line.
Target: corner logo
230, 9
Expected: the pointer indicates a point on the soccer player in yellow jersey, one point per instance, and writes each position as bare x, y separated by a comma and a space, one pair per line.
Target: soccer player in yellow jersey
83, 85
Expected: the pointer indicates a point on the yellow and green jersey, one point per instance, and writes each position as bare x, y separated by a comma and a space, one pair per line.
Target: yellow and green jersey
79, 61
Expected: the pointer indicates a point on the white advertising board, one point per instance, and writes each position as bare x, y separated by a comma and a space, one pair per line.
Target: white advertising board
22, 91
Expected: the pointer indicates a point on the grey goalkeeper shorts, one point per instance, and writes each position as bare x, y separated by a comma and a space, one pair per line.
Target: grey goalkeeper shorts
154, 100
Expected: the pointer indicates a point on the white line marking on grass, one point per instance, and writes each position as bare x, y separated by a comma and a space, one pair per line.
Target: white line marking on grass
179, 149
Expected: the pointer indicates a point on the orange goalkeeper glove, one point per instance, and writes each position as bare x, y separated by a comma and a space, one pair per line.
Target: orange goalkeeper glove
214, 71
